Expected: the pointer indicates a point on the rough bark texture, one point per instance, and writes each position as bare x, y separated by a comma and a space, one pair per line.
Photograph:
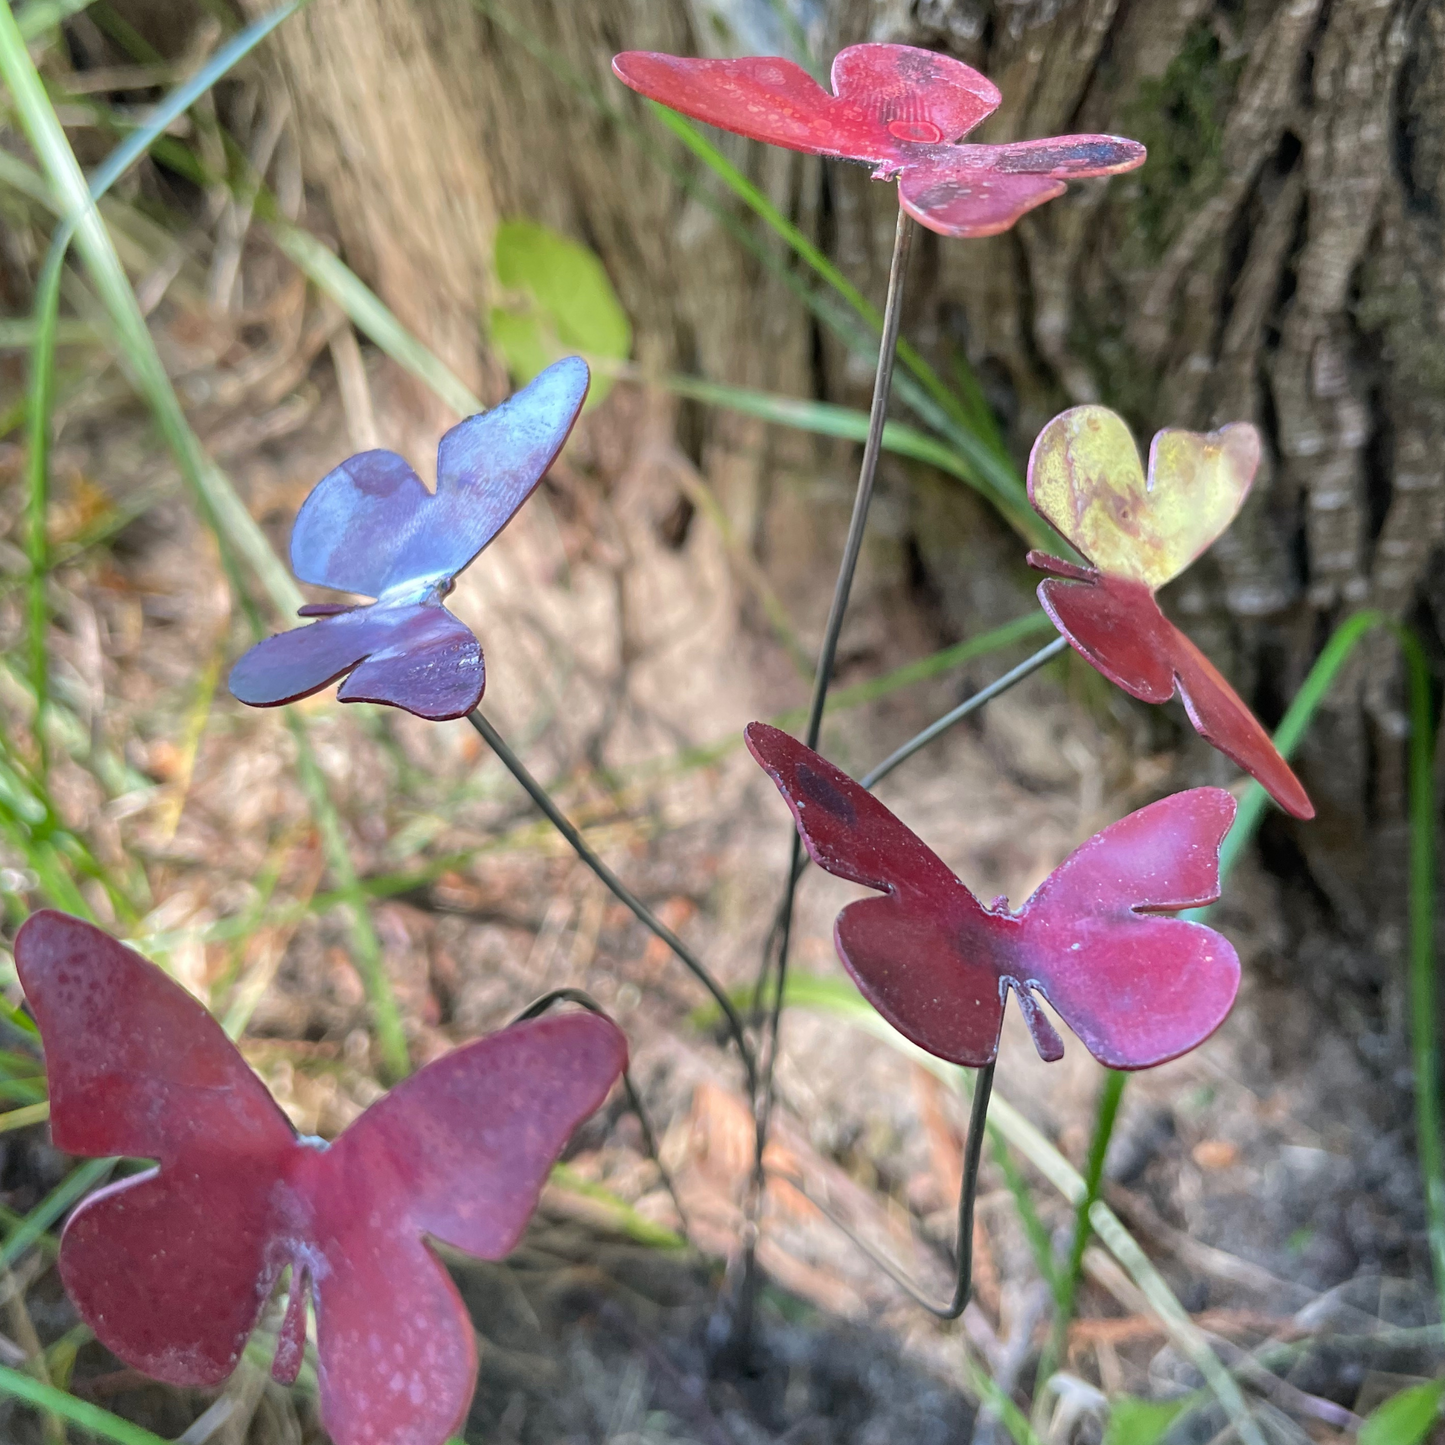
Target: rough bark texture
1281, 258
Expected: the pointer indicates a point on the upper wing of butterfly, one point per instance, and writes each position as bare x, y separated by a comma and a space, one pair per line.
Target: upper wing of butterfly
1138, 989
169, 1268
886, 96
370, 525
922, 956
1084, 476
459, 1152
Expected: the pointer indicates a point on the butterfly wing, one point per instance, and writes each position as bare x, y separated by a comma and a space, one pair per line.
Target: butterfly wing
1116, 625
297, 663
487, 466
981, 190
914, 96
763, 97
430, 664
887, 96
356, 522
1221, 718
170, 1268
458, 1152
1137, 988
1085, 478
922, 956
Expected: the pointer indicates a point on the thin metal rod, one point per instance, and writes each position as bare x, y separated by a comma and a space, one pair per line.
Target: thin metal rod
867, 474
641, 911
1009, 679
583, 999
967, 1196
742, 1322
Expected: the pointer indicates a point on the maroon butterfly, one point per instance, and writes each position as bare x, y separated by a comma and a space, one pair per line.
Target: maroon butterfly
371, 527
896, 108
1136, 988
171, 1268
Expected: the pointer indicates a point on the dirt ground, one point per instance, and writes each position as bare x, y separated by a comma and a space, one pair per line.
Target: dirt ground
1269, 1175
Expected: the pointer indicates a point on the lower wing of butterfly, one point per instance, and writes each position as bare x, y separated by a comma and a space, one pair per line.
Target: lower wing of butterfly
1116, 624
982, 190
415, 656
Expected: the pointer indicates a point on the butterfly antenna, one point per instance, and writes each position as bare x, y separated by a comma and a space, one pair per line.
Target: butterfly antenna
634, 1099
967, 1196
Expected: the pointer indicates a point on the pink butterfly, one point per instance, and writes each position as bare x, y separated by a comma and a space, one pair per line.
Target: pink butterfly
896, 108
1138, 989
171, 1268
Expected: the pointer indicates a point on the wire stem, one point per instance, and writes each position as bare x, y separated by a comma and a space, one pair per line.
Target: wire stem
742, 1323
967, 1196
641, 911
582, 999
935, 729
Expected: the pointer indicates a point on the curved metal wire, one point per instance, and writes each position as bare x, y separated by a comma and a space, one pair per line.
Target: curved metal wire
585, 1000
620, 890
967, 1196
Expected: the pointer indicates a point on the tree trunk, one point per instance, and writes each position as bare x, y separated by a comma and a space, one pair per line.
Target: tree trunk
1280, 259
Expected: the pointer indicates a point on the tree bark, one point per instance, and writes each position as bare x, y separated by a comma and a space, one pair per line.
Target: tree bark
1281, 259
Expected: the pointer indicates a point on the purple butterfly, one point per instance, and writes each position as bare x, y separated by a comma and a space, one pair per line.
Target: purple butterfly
372, 527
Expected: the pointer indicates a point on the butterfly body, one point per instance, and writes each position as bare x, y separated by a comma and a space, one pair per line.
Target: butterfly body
896, 108
371, 527
1136, 987
1138, 531
173, 1267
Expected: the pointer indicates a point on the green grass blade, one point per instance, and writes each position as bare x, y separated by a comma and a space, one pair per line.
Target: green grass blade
79, 1412
829, 419
79, 1182
1106, 1112
221, 506
42, 15
370, 313
236, 530
37, 547
370, 962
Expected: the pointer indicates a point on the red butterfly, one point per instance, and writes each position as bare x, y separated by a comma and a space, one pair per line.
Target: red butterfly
1138, 532
1136, 988
896, 108
171, 1268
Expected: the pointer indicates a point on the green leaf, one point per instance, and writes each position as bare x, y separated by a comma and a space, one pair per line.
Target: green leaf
560, 301
1133, 1421
1403, 1419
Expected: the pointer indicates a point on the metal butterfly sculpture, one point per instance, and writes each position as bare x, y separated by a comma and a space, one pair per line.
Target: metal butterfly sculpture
1138, 989
896, 108
371, 527
1137, 533
172, 1268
